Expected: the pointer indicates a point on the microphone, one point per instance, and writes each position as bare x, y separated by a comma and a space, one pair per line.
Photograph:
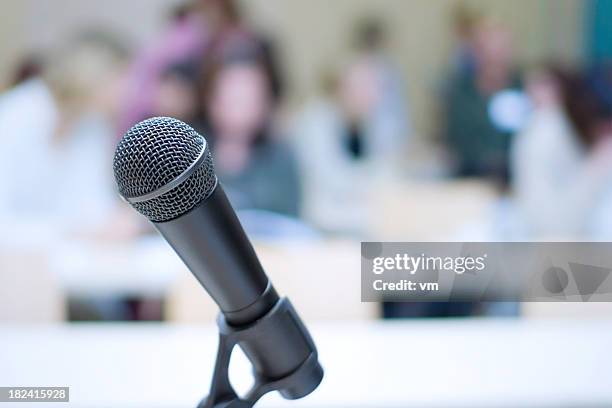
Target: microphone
164, 169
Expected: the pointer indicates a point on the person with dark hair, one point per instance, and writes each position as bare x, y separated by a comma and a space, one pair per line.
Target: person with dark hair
255, 166
562, 161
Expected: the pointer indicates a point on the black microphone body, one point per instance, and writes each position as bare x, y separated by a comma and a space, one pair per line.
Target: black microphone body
164, 170
211, 242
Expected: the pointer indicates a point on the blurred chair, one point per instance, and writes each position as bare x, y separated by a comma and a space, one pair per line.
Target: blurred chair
427, 211
321, 279
28, 291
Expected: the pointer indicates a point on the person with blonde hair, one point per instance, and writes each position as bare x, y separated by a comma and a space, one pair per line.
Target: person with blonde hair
56, 140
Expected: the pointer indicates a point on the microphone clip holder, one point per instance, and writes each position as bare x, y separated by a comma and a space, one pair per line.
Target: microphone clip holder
296, 384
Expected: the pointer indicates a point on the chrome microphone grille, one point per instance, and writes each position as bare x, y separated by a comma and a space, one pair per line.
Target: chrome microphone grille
163, 168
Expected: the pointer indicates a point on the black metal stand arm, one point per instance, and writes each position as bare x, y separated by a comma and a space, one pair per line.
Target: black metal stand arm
283, 355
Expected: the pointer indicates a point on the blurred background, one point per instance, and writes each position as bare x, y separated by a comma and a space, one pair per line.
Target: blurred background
331, 123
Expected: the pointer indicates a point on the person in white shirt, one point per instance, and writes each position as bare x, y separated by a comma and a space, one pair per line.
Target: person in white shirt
562, 161
357, 132
56, 144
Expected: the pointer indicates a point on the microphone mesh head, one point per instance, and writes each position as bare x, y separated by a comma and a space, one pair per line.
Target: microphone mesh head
156, 152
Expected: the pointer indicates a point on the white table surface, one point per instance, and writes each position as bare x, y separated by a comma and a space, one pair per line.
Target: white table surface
146, 267
466, 363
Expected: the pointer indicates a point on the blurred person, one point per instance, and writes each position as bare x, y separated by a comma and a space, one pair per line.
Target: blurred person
176, 94
199, 32
386, 121
185, 38
234, 35
256, 167
478, 139
334, 164
56, 159
357, 130
562, 161
57, 141
464, 23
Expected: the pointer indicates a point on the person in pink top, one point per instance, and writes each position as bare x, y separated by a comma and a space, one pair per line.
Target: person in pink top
198, 32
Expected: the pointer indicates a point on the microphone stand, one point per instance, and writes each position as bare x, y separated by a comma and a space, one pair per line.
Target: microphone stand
296, 384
